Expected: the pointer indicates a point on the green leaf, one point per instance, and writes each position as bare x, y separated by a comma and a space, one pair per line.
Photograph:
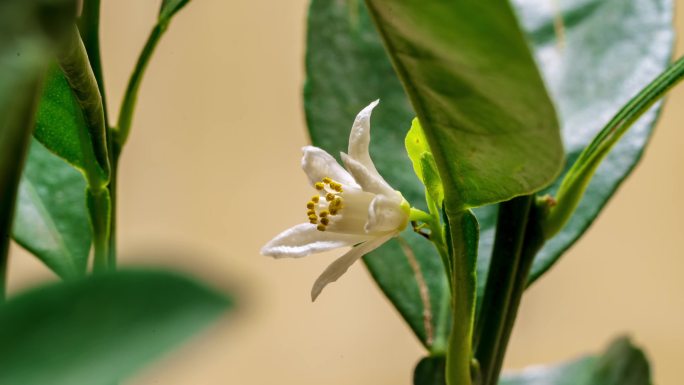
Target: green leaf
101, 329
346, 69
424, 165
430, 371
625, 44
471, 78
60, 120
51, 220
24, 50
621, 364
169, 8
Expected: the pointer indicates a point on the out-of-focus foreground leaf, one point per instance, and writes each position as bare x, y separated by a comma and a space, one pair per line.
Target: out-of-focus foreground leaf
51, 218
100, 329
24, 50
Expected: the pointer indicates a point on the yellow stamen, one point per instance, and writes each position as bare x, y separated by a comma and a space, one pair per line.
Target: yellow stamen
333, 211
325, 221
323, 213
310, 205
329, 197
315, 198
311, 212
319, 185
312, 217
320, 227
327, 180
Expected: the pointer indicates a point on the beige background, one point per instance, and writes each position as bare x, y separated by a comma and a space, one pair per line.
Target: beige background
212, 172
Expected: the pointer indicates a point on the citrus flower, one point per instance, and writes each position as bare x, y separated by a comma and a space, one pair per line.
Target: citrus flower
353, 207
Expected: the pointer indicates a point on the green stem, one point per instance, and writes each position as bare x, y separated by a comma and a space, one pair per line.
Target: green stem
506, 256
464, 236
113, 195
99, 207
532, 243
578, 177
123, 126
89, 26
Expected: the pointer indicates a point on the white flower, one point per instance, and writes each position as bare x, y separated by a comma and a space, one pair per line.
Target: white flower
352, 207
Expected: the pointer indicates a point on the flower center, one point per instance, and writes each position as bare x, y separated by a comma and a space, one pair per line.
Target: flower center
325, 205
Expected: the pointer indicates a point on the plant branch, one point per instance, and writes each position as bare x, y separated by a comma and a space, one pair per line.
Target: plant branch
506, 256
532, 243
125, 120
464, 236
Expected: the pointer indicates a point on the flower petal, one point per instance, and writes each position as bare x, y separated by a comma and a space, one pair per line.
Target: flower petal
369, 181
359, 138
318, 164
342, 264
303, 239
385, 215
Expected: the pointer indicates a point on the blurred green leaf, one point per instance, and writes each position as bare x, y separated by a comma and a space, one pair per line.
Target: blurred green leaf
169, 8
346, 69
101, 329
471, 78
430, 371
24, 49
621, 364
51, 218
59, 119
611, 50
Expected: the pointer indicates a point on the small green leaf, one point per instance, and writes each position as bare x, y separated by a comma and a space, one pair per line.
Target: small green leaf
471, 78
424, 165
51, 220
169, 8
621, 364
59, 119
101, 329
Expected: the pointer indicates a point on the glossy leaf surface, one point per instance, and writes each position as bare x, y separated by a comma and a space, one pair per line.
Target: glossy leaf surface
51, 218
101, 329
621, 364
471, 78
625, 44
346, 69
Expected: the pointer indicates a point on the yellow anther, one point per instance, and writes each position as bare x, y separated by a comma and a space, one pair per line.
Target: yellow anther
323, 213
329, 197
338, 188
311, 212
313, 221
312, 217
327, 180
325, 221
310, 205
320, 227
333, 211
319, 185
315, 198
